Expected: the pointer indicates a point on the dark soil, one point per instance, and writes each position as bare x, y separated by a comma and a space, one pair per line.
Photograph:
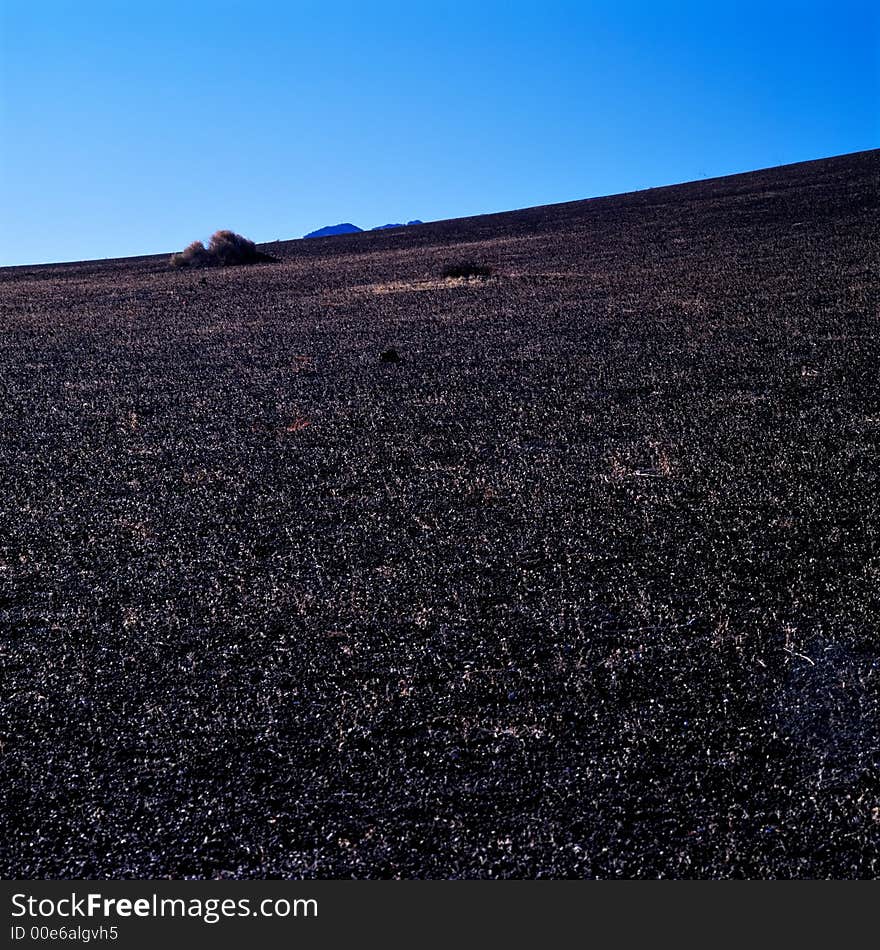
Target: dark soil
587, 583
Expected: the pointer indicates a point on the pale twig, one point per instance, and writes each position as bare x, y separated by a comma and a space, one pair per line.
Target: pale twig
801, 655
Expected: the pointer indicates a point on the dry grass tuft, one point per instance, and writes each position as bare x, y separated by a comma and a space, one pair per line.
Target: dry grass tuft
467, 269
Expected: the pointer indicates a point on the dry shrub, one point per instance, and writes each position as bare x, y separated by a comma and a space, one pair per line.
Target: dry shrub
225, 249
231, 248
467, 269
196, 255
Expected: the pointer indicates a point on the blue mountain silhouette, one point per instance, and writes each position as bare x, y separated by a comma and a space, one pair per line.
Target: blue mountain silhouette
335, 229
384, 227
353, 229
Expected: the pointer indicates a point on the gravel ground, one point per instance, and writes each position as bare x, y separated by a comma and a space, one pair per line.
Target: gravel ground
586, 584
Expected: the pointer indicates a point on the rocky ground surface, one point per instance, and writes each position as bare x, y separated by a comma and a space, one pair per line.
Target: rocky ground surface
587, 583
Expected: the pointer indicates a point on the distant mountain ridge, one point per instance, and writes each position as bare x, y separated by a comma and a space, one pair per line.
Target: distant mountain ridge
347, 228
384, 227
335, 229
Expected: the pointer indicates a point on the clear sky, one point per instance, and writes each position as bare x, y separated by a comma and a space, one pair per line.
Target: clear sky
133, 128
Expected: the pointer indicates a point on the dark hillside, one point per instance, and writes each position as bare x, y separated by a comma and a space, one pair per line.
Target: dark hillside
587, 583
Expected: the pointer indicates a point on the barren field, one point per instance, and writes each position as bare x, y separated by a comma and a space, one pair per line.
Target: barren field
587, 584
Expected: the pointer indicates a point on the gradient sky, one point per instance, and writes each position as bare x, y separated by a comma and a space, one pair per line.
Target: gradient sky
133, 128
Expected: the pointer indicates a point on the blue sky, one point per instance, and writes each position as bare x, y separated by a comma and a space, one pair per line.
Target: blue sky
130, 128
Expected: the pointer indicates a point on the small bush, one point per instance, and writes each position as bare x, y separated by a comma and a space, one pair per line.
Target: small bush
230, 248
226, 248
196, 255
467, 269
